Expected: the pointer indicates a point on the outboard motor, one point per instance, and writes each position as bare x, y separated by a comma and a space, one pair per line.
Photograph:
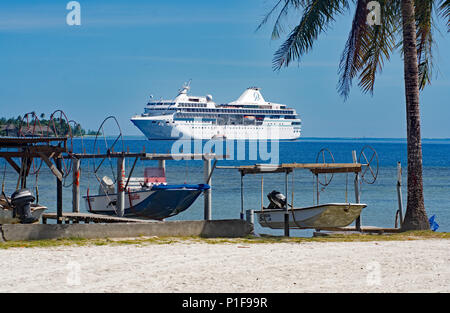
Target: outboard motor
277, 200
21, 200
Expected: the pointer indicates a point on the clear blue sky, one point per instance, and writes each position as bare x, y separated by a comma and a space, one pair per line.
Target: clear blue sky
126, 50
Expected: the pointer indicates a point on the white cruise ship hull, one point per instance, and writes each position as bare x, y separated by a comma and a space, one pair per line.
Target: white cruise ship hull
167, 129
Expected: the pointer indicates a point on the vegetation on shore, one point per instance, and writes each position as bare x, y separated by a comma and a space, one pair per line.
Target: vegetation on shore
20, 125
405, 236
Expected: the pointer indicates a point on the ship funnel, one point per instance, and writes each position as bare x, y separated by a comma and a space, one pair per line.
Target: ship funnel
251, 95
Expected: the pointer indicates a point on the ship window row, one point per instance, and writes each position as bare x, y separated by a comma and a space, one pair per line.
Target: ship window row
192, 105
203, 116
161, 103
147, 110
239, 111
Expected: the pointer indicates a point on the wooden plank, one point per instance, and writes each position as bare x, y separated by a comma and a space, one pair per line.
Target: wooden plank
25, 141
355, 169
149, 156
21, 154
316, 168
322, 165
99, 218
364, 229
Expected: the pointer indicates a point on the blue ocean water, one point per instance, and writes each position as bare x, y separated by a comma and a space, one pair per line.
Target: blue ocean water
380, 197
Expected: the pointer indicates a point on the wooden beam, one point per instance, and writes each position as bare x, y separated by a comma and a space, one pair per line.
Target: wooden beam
52, 167
149, 156
323, 165
25, 141
13, 164
355, 169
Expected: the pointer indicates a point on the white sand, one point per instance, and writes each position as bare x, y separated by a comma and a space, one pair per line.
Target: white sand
401, 266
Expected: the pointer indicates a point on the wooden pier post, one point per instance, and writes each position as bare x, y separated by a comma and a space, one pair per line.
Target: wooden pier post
286, 213
207, 193
120, 186
357, 195
59, 204
399, 192
76, 185
242, 196
262, 192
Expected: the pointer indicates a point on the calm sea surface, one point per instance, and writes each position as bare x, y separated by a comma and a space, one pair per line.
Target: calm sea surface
380, 197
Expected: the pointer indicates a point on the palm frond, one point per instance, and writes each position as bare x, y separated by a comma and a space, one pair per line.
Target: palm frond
444, 10
278, 28
268, 15
351, 57
378, 43
317, 14
424, 38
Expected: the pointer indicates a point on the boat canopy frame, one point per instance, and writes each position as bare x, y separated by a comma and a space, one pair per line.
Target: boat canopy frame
316, 168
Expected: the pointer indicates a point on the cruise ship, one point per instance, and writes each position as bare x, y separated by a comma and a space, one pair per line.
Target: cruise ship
187, 117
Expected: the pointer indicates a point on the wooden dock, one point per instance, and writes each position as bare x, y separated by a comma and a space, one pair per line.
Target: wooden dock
92, 218
363, 229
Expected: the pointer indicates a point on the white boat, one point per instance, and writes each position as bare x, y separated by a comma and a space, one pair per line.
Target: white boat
327, 215
191, 117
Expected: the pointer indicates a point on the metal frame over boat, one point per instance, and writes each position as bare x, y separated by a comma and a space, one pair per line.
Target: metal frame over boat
282, 215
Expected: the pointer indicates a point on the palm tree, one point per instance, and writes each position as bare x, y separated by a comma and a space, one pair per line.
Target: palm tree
405, 24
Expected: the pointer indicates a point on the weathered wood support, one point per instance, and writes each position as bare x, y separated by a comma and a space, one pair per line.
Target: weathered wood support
120, 186
59, 201
357, 195
286, 213
207, 192
76, 171
242, 196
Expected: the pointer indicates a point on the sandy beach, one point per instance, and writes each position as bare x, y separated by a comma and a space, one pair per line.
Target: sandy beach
385, 266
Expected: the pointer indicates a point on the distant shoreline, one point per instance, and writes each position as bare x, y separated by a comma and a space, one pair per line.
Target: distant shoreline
141, 137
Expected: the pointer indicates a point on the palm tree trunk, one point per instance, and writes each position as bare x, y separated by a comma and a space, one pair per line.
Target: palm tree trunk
415, 216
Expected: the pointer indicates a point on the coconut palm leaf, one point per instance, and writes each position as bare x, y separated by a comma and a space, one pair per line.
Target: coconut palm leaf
351, 57
424, 38
278, 27
317, 15
444, 10
377, 44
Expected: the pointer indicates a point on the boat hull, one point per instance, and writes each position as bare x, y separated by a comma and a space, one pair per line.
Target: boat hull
320, 216
167, 129
150, 204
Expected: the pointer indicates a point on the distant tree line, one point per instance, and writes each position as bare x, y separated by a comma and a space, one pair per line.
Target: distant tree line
19, 126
